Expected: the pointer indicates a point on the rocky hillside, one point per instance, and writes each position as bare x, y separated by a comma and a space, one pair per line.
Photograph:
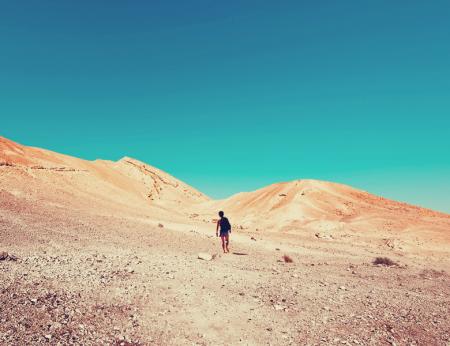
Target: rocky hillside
127, 184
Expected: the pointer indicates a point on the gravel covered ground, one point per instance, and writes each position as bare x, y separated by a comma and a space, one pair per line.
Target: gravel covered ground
76, 278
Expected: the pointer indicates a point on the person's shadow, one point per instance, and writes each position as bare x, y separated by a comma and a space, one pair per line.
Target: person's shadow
240, 253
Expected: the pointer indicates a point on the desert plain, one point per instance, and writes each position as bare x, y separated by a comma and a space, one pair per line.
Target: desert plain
107, 253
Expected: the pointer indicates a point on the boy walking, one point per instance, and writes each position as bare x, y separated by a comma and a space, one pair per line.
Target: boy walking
225, 230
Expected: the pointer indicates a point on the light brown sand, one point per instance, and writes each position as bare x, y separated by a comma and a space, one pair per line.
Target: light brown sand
108, 255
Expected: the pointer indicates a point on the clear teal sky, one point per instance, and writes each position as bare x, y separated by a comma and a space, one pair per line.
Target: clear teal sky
234, 95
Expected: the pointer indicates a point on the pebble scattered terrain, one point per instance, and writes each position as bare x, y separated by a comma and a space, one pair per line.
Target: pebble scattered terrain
120, 253
92, 283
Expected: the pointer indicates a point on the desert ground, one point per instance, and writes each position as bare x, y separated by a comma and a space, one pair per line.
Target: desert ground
107, 253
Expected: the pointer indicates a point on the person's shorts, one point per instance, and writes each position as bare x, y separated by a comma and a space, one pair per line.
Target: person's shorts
224, 234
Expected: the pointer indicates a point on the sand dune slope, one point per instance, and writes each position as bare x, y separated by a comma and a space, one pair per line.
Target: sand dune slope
126, 185
131, 186
326, 206
304, 211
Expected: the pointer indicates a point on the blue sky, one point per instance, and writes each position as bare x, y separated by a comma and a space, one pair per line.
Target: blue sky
231, 96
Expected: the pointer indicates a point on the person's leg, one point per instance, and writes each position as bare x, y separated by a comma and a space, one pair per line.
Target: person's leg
227, 241
223, 243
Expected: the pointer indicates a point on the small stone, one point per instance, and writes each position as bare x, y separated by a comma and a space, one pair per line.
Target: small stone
205, 256
48, 336
55, 326
279, 307
343, 288
3, 255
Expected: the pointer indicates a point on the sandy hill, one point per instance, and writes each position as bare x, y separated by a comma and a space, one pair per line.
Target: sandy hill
301, 202
308, 209
126, 185
129, 184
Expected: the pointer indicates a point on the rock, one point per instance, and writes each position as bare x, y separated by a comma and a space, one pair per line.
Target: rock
252, 238
55, 326
4, 256
205, 256
324, 236
342, 288
160, 225
279, 307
